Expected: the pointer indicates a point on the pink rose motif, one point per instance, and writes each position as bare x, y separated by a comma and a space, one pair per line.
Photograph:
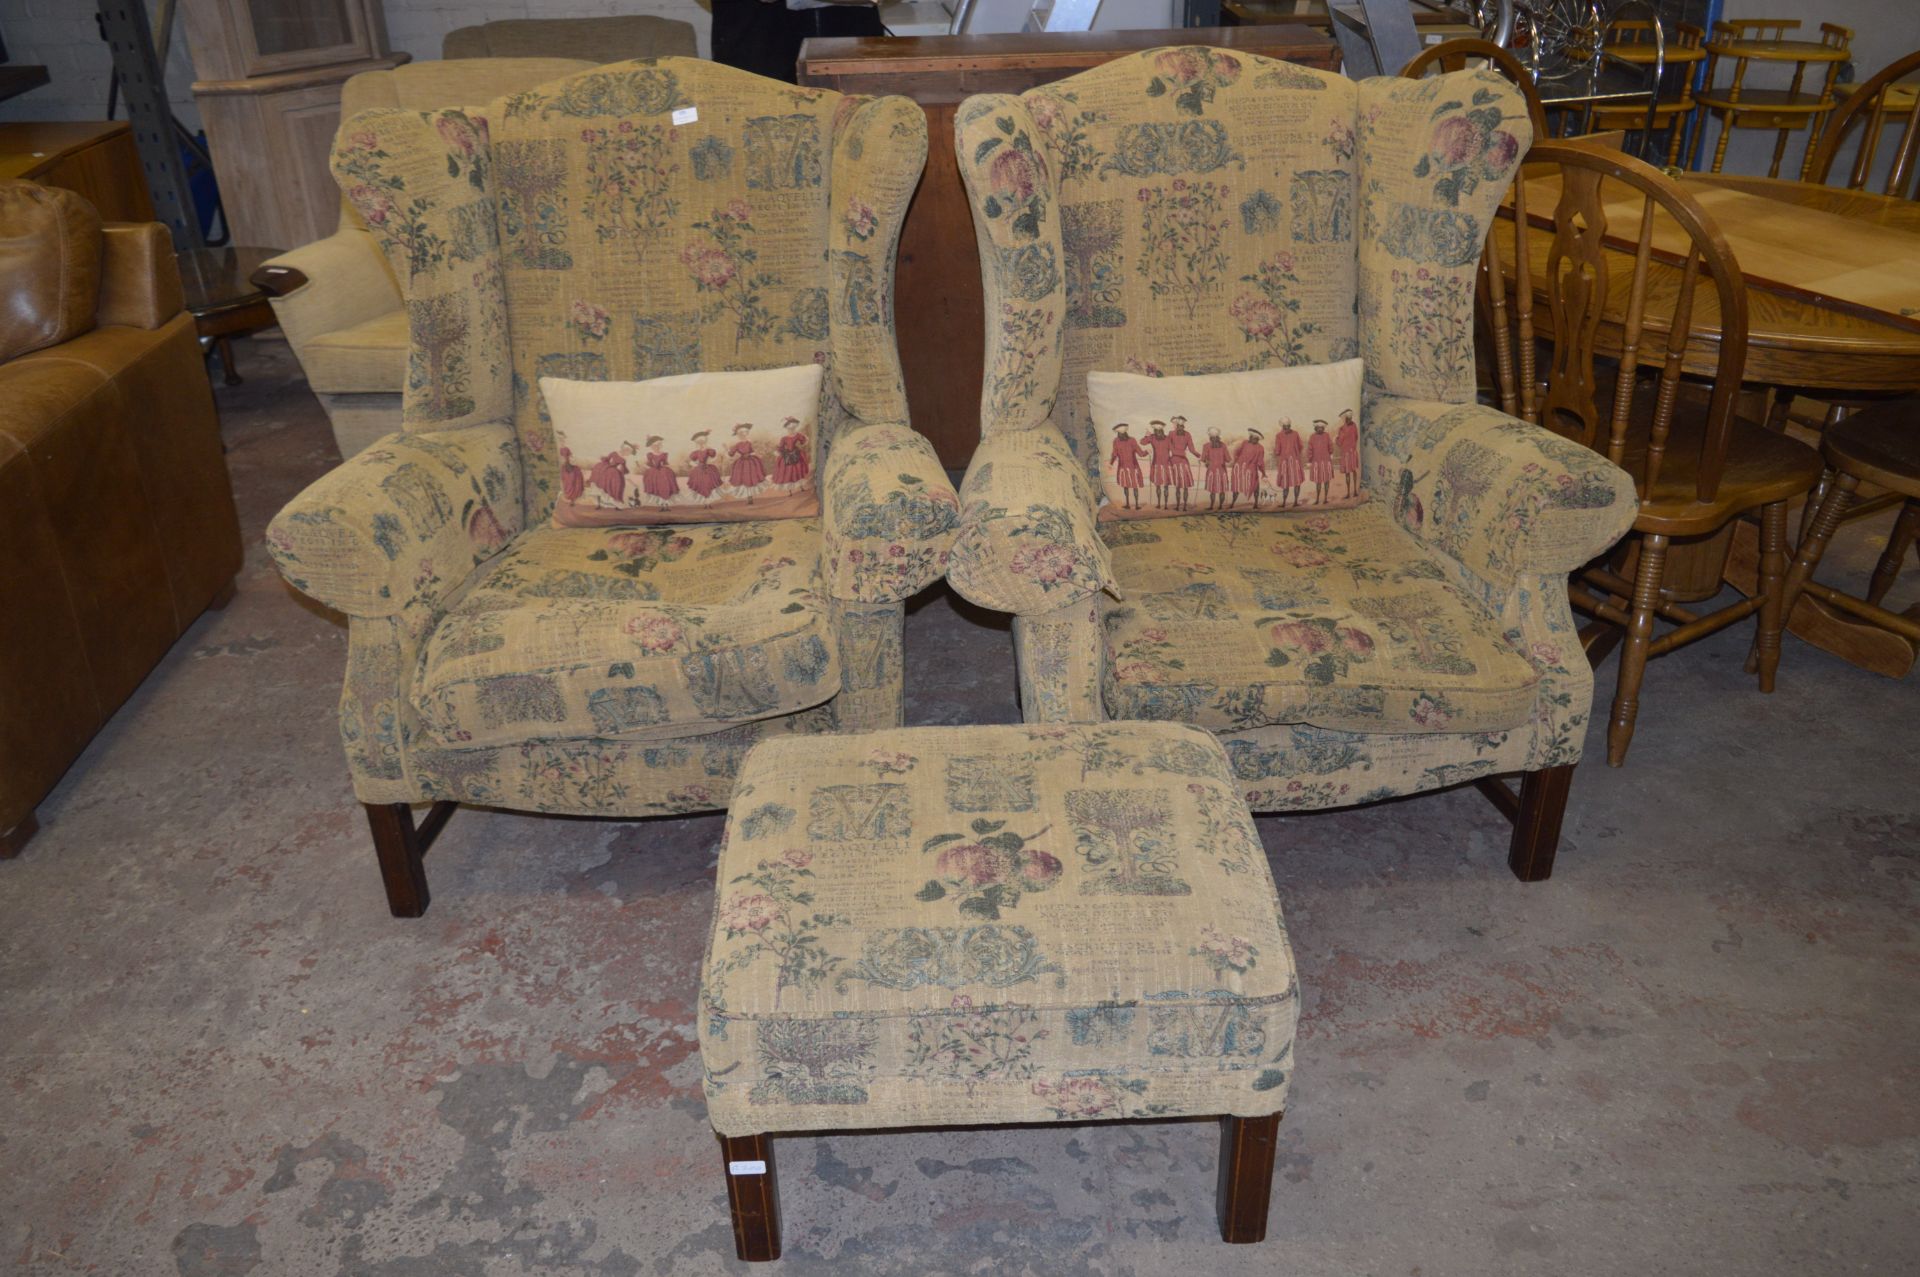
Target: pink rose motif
711, 268
1256, 316
1428, 713
1183, 65
456, 134
896, 551
626, 126
1318, 523
1012, 175
797, 858
1302, 636
654, 633
736, 211
1502, 147
366, 139
1046, 564
1042, 867
589, 318
1155, 635
1301, 556
636, 544
484, 530
1454, 142
1545, 653
1046, 113
749, 911
972, 864
1079, 1099
861, 219
1358, 642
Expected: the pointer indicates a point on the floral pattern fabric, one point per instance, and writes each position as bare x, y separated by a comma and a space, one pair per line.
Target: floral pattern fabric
889, 514
624, 246
945, 926
1206, 211
1336, 620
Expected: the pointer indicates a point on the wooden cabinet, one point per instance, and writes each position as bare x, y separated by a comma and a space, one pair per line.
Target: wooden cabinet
269, 82
939, 307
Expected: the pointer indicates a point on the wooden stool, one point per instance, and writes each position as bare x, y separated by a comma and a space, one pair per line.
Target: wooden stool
1634, 46
1880, 445
1749, 40
975, 926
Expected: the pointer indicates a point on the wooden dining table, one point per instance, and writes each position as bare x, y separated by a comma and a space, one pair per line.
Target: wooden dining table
1833, 300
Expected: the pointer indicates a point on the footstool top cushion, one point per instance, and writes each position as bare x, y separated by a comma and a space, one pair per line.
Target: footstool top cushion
943, 926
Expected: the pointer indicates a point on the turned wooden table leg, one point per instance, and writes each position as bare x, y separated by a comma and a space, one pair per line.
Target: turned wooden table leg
752, 1195
1246, 1176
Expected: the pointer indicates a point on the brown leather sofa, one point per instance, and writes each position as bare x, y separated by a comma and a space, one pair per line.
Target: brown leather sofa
117, 525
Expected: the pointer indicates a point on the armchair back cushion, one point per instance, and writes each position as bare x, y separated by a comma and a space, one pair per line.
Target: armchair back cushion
1194, 210
686, 202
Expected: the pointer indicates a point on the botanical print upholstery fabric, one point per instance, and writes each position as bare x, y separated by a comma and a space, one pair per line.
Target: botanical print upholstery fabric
698, 447
1270, 439
577, 231
1355, 686
993, 924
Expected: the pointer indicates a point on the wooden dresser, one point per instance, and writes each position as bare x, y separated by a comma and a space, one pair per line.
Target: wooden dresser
938, 305
94, 159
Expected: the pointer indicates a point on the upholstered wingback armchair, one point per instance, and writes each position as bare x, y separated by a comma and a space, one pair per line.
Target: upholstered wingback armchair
335, 298
494, 658
1194, 210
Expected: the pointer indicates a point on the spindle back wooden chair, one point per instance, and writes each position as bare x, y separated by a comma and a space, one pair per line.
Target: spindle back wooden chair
1870, 107
1457, 55
1600, 235
1631, 39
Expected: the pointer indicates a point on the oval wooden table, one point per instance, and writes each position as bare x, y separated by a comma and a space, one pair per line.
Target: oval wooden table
1802, 333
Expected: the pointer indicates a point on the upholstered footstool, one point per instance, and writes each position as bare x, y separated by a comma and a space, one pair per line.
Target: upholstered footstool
974, 925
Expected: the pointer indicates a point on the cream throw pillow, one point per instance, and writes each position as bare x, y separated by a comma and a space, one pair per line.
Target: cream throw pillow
702, 447
1271, 440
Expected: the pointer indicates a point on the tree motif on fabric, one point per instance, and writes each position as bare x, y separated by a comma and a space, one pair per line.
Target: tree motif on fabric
1065, 128
1025, 334
814, 1061
989, 869
1090, 235
1432, 327
438, 376
1183, 240
1127, 838
629, 180
725, 269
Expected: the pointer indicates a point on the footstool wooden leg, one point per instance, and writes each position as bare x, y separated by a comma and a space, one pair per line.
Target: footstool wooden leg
1246, 1175
753, 1195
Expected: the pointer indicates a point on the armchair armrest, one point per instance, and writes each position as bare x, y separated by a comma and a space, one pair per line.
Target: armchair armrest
889, 511
139, 280
393, 529
1028, 544
1501, 497
330, 284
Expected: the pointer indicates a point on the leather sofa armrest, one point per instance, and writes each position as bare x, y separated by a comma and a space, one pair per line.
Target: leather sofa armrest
139, 281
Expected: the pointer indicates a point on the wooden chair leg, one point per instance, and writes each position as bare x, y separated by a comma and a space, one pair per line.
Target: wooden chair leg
1633, 660
1246, 1176
753, 1196
12, 841
1905, 532
402, 851
225, 346
1536, 825
1773, 567
1814, 544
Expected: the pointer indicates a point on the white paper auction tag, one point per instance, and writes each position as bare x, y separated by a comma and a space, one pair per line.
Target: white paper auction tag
746, 1168
686, 115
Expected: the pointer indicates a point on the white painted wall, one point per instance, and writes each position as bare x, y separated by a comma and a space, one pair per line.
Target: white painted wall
62, 36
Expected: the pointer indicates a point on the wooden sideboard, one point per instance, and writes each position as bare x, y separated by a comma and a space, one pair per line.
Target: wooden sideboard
95, 159
938, 304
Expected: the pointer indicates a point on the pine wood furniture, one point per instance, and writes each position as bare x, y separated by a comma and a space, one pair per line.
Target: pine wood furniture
268, 87
95, 159
1697, 465
1871, 105
939, 305
1098, 938
1634, 45
1744, 41
1881, 446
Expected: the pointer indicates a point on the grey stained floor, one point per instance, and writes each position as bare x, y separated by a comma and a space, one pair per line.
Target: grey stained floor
1692, 1051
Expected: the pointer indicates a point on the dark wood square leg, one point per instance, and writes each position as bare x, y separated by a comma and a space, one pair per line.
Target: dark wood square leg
1246, 1175
753, 1196
402, 850
1536, 825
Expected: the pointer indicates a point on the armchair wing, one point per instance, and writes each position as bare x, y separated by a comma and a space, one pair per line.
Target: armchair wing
1028, 544
889, 514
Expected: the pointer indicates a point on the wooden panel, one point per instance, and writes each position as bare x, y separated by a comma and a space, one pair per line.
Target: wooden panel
939, 306
308, 130
94, 159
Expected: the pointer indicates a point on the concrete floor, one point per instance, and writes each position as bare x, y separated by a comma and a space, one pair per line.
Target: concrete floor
1691, 1052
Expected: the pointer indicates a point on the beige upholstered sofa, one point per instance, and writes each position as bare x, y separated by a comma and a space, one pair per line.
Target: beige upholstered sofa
345, 323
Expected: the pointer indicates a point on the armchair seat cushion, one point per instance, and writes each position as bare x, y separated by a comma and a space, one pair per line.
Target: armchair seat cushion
632, 634
1338, 620
367, 356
